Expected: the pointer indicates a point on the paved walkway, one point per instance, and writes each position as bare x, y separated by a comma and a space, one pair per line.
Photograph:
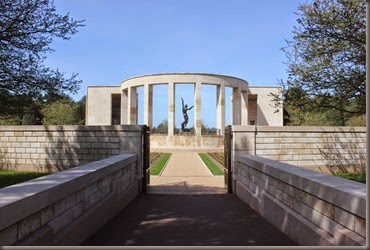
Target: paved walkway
185, 173
187, 206
188, 220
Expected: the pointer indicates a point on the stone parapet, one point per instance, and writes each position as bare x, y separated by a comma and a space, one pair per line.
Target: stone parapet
324, 149
311, 208
160, 142
65, 208
56, 148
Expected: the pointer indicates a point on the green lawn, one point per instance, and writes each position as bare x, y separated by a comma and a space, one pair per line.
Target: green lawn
215, 170
361, 177
159, 165
8, 178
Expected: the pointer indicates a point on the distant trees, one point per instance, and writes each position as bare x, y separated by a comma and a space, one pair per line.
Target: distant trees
63, 112
27, 27
326, 64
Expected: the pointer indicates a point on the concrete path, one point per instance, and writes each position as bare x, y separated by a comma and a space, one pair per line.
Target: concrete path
188, 220
185, 173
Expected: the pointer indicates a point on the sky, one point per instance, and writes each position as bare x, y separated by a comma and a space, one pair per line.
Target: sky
123, 39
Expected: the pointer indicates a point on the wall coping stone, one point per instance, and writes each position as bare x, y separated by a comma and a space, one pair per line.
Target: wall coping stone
23, 199
347, 194
134, 128
306, 129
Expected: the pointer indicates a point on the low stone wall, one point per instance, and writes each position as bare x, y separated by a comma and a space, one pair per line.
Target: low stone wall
324, 149
186, 142
55, 148
313, 209
65, 208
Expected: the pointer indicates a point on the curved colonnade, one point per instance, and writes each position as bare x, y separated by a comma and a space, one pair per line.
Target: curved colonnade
239, 105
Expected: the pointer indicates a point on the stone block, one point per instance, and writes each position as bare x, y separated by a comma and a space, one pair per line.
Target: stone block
55, 224
29, 225
344, 218
92, 139
71, 200
38, 133
8, 133
12, 139
8, 236
98, 145
360, 226
114, 139
47, 214
77, 210
32, 139
60, 207
86, 145
66, 218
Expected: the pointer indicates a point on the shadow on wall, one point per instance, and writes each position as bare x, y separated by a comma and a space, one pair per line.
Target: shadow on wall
343, 154
5, 163
71, 148
261, 118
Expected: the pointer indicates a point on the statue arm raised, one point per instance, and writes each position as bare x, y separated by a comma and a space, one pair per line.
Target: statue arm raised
182, 102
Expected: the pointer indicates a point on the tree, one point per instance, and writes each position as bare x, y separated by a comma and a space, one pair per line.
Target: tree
27, 27
162, 128
327, 58
61, 112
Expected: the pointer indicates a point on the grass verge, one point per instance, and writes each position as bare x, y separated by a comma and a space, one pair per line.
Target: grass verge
215, 170
8, 178
159, 165
361, 177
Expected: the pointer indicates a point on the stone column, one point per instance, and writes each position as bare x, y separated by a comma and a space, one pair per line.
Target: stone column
171, 108
236, 111
124, 106
132, 106
244, 107
148, 104
198, 108
221, 108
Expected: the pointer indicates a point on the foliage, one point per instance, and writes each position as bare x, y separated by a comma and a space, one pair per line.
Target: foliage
162, 128
326, 59
61, 112
8, 178
215, 170
357, 121
159, 165
27, 28
359, 177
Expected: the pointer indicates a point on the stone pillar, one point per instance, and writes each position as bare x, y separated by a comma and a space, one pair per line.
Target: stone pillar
236, 111
124, 106
148, 104
198, 108
244, 107
221, 108
171, 108
132, 106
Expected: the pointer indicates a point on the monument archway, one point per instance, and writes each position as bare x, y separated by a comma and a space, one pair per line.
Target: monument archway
102, 110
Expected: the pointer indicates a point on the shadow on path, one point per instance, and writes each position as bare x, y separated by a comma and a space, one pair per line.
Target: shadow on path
188, 220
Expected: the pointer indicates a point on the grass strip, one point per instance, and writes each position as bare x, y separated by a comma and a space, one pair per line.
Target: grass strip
159, 165
360, 177
8, 178
215, 170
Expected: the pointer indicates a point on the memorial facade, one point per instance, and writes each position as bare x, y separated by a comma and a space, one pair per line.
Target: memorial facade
112, 105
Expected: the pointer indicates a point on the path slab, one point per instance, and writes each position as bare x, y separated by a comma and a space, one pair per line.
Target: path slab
185, 173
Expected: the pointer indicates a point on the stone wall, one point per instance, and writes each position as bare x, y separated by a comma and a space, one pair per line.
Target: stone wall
55, 148
186, 142
65, 208
325, 149
313, 209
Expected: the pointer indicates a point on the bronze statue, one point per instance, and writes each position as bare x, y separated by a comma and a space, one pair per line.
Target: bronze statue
186, 118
